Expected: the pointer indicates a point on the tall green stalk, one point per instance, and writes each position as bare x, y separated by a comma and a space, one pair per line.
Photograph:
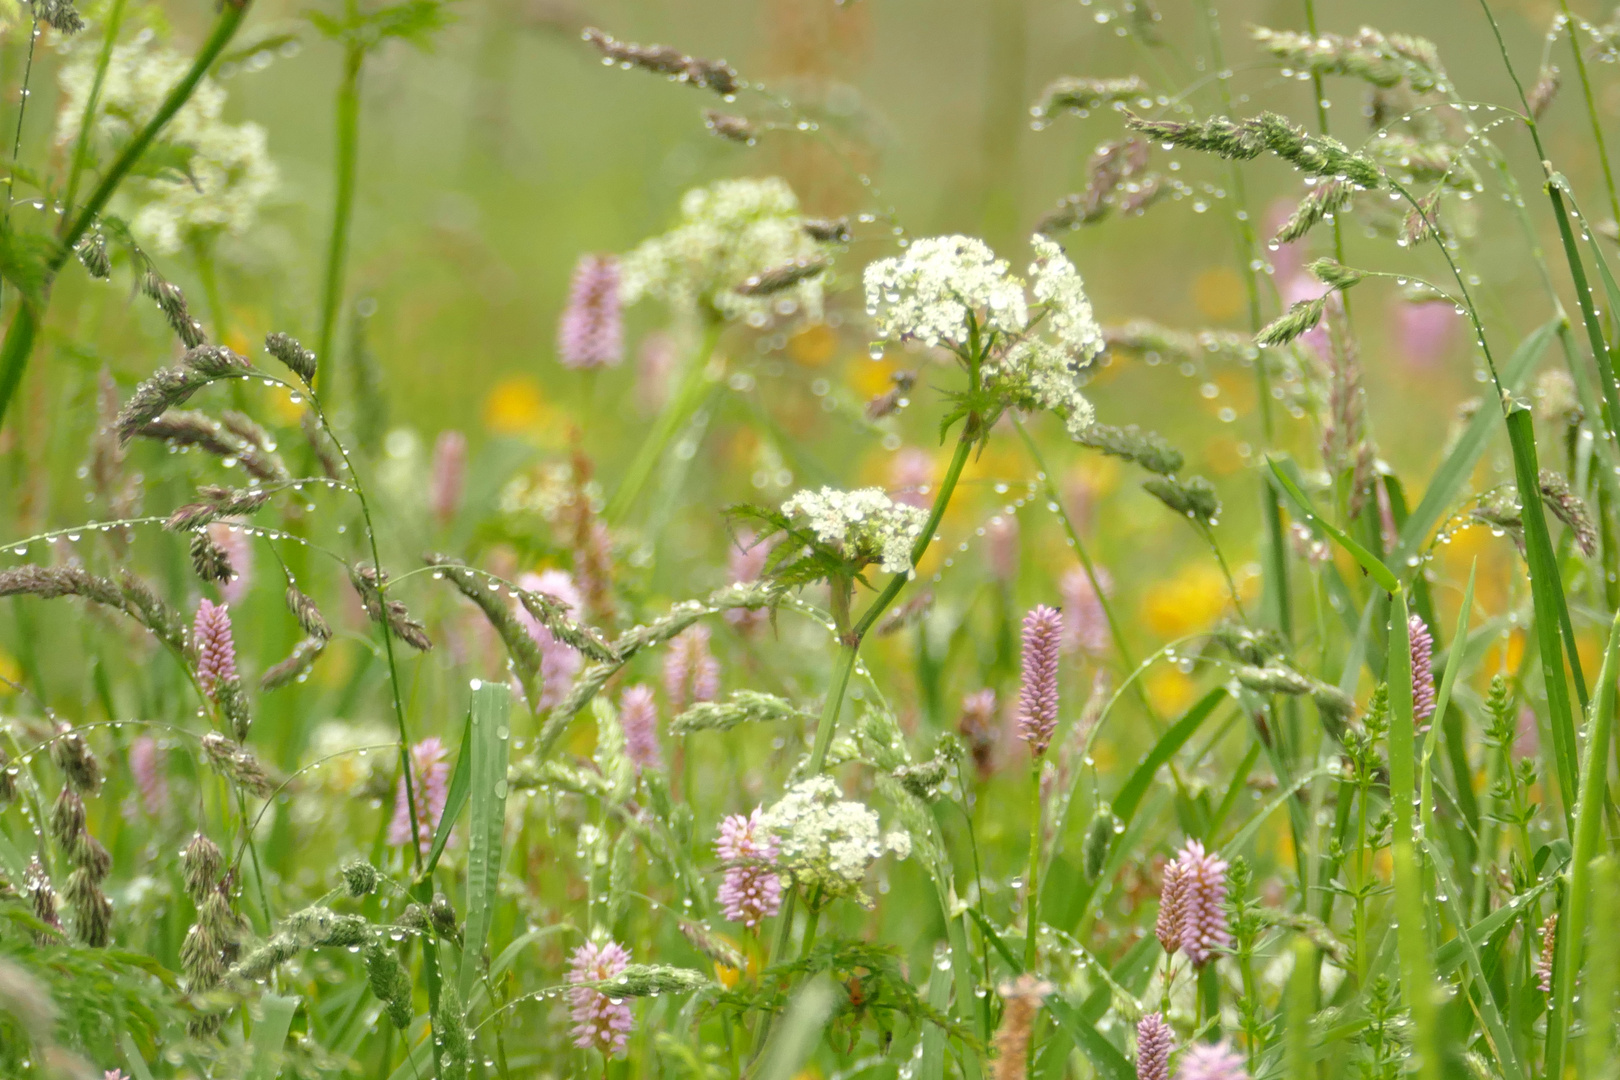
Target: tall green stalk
87, 120
1588, 833
337, 247
18, 345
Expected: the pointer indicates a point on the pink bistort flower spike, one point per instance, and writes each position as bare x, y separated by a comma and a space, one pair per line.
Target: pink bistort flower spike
751, 891
216, 652
979, 730
449, 475
1038, 695
599, 1021
638, 716
1212, 1061
1153, 1041
146, 768
1001, 547
691, 673
1085, 625
1422, 672
745, 562
1172, 907
591, 331
558, 663
1204, 927
228, 533
430, 780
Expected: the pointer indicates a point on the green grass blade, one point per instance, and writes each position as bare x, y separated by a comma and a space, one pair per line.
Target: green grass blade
455, 798
1449, 480
132, 1056
1547, 595
1372, 564
795, 1038
1299, 1063
1588, 834
270, 1036
491, 737
1583, 299
1412, 945
1604, 970
1129, 799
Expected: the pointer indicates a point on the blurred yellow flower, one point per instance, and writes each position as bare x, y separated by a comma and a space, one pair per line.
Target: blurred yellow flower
11, 672
515, 406
814, 345
869, 378
1218, 293
1168, 689
1192, 600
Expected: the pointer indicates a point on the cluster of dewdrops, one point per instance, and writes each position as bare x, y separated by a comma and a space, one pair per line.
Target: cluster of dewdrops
864, 523
728, 232
230, 171
826, 841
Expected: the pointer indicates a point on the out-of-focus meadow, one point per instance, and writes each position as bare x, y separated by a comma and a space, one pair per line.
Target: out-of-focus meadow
495, 150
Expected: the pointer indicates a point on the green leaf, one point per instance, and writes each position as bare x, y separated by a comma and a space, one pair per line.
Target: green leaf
799, 1032
132, 1057
455, 798
25, 261
270, 1036
490, 739
1372, 564
1587, 836
1547, 596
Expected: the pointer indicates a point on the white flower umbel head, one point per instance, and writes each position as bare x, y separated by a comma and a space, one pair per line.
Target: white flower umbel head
1056, 284
828, 842
223, 171
944, 288
728, 232
928, 293
864, 524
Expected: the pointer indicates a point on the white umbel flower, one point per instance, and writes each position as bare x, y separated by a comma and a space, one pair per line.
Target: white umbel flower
865, 523
728, 232
928, 293
944, 289
228, 166
828, 842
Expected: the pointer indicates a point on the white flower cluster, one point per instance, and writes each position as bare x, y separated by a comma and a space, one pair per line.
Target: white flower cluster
826, 841
928, 293
728, 232
230, 173
944, 288
865, 523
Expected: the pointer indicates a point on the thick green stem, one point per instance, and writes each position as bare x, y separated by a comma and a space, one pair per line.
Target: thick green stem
337, 248
19, 340
1591, 110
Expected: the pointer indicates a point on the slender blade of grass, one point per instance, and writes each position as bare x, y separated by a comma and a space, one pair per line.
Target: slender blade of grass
270, 1036
455, 798
796, 1036
1372, 564
1412, 945
1588, 833
491, 737
1604, 970
1547, 596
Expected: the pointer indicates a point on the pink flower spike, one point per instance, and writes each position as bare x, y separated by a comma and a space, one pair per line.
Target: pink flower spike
1085, 625
1001, 547
449, 475
638, 716
599, 1021
591, 331
1038, 696
1153, 1041
1206, 1061
146, 768
229, 535
1204, 928
430, 781
691, 673
1422, 672
751, 891
216, 652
